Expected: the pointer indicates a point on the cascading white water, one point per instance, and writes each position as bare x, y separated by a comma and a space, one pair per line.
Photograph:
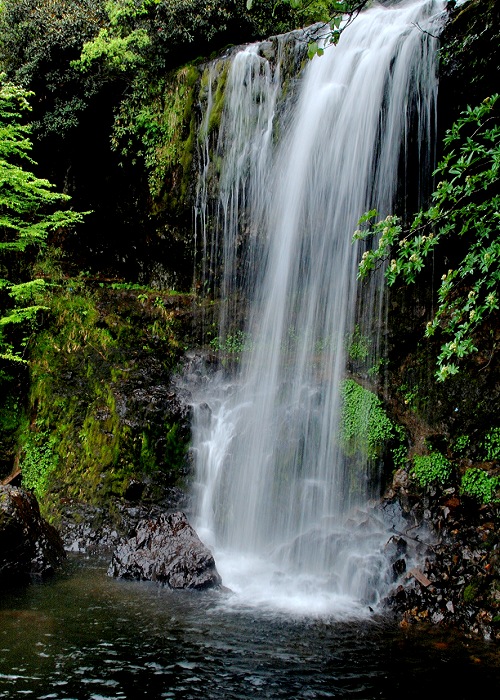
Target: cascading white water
241, 163
276, 494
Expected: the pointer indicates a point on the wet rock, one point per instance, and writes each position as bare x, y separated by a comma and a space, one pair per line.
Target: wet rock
457, 553
89, 529
401, 480
167, 550
398, 568
29, 546
267, 51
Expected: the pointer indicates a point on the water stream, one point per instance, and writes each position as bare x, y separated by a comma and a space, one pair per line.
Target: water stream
85, 636
283, 507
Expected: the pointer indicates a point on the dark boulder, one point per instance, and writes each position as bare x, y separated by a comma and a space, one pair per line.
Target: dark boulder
166, 549
29, 546
94, 529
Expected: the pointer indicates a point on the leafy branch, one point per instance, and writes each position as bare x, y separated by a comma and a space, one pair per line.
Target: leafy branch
337, 14
28, 214
465, 214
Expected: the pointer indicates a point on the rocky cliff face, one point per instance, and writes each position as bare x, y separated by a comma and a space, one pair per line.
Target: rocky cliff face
470, 56
461, 581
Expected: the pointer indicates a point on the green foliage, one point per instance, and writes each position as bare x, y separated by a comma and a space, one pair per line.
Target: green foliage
477, 484
284, 15
358, 346
39, 460
365, 427
28, 214
155, 121
400, 450
232, 345
39, 39
491, 444
139, 41
431, 469
409, 394
462, 444
120, 45
465, 214
147, 34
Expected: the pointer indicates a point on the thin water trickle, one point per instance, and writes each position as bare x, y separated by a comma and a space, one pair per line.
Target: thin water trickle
276, 492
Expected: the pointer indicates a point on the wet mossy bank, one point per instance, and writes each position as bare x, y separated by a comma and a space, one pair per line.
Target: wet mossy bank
99, 419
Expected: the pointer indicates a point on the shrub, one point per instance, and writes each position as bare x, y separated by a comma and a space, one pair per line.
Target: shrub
464, 217
477, 484
429, 469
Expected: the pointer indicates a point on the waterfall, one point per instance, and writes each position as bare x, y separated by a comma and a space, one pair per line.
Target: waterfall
297, 166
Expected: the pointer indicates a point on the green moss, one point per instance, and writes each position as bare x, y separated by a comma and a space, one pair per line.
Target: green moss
430, 469
214, 119
216, 77
478, 484
365, 427
80, 444
471, 592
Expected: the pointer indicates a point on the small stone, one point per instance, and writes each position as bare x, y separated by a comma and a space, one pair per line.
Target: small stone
400, 479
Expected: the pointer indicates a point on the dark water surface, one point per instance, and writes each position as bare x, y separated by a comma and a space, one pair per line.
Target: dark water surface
83, 635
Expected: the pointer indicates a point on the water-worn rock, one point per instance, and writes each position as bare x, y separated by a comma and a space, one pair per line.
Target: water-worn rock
29, 546
91, 529
166, 549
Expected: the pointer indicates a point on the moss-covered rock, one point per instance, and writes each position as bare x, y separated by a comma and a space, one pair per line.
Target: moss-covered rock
102, 411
